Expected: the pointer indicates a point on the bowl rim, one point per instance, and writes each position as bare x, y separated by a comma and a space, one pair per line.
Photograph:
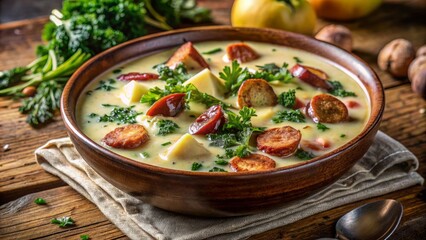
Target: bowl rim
72, 126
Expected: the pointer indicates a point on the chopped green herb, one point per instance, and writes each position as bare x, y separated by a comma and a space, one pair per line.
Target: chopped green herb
287, 99
166, 126
213, 51
93, 115
224, 140
106, 85
342, 135
145, 155
121, 115
88, 93
339, 91
297, 60
304, 155
195, 166
175, 76
63, 221
289, 115
84, 237
109, 105
216, 169
274, 50
166, 143
221, 162
192, 116
116, 71
40, 201
322, 127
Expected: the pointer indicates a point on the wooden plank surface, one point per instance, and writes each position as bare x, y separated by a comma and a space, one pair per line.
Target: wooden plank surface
404, 120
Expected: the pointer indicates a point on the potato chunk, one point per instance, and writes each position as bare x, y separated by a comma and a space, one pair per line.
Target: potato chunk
186, 148
205, 81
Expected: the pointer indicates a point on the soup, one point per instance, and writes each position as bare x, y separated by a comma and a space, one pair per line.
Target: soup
224, 106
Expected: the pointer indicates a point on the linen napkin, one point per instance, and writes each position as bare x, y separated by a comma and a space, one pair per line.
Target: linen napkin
387, 166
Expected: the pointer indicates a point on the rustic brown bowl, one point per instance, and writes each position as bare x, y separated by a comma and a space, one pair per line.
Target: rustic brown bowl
219, 194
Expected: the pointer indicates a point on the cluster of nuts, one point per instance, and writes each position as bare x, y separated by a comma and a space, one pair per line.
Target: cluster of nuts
399, 58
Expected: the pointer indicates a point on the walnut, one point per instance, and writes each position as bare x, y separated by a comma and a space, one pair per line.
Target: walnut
338, 35
417, 76
396, 56
421, 51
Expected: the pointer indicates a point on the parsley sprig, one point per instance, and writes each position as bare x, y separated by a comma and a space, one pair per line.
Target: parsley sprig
63, 221
235, 75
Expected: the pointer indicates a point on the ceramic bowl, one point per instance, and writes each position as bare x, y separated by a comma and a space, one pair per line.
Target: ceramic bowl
219, 194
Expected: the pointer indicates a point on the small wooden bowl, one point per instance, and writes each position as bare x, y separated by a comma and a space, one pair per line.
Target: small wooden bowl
219, 194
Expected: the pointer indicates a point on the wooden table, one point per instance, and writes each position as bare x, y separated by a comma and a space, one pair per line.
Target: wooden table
22, 180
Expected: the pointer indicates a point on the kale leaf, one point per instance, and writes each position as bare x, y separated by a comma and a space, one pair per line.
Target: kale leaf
166, 126
289, 115
287, 99
120, 115
339, 91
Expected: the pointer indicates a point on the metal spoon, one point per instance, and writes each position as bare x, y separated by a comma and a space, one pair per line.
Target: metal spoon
375, 221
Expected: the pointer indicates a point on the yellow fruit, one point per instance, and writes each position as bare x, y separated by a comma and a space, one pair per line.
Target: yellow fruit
344, 9
293, 15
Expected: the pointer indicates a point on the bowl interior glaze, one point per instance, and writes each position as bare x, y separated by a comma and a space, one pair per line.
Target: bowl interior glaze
219, 194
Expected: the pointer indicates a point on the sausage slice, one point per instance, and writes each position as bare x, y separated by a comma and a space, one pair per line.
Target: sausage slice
281, 142
127, 137
241, 52
253, 162
311, 76
256, 93
189, 56
325, 108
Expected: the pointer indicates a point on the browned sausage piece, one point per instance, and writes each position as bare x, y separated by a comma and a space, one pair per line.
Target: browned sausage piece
189, 56
256, 93
325, 108
253, 162
241, 52
127, 137
312, 76
281, 142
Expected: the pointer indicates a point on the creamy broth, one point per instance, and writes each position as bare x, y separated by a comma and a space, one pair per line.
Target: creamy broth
152, 151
